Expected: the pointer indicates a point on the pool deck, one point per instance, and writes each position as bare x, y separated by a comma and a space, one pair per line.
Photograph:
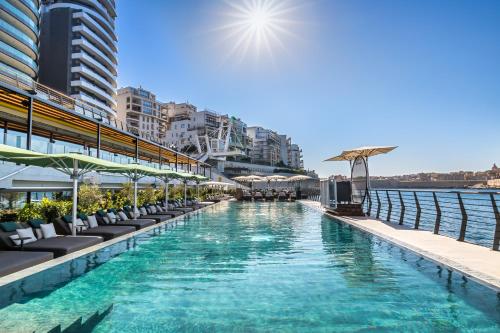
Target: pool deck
473, 261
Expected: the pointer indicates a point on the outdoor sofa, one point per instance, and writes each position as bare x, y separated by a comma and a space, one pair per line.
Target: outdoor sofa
85, 228
115, 217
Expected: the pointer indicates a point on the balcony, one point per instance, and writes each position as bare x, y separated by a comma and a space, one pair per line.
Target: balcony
94, 89
108, 37
94, 51
96, 41
92, 75
91, 100
86, 58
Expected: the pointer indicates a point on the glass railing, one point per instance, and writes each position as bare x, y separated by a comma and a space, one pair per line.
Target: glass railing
19, 55
19, 15
18, 34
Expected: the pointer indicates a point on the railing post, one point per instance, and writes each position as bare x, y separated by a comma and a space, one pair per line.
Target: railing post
389, 210
496, 236
98, 150
463, 226
369, 203
419, 210
378, 204
402, 205
437, 224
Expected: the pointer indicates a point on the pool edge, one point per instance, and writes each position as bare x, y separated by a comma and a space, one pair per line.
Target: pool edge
478, 277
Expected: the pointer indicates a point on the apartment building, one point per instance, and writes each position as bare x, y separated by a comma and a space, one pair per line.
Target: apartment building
296, 161
266, 145
142, 113
285, 149
180, 125
78, 50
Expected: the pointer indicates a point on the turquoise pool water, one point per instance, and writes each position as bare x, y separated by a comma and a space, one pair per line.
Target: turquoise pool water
252, 267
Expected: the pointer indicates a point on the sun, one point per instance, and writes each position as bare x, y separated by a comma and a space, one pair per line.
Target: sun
256, 28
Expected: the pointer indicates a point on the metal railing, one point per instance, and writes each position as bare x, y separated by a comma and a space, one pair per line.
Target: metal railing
79, 106
469, 216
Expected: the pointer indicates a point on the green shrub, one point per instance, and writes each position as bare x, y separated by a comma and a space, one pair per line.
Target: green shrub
50, 210
29, 212
90, 199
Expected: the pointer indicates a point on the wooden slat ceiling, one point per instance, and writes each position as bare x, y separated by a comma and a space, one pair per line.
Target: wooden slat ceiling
76, 129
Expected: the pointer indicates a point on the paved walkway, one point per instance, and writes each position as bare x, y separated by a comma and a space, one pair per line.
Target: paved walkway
476, 262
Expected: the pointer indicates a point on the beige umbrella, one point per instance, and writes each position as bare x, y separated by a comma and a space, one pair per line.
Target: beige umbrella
249, 179
276, 178
352, 154
298, 178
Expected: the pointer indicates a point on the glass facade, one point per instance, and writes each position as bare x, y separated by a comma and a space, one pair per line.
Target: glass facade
19, 37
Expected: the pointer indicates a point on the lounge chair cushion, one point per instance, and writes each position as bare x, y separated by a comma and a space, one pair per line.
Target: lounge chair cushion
26, 232
108, 231
111, 217
92, 221
48, 230
35, 223
143, 211
62, 245
82, 216
9, 226
13, 261
123, 216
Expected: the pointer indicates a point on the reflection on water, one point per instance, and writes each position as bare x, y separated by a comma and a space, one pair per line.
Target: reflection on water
251, 267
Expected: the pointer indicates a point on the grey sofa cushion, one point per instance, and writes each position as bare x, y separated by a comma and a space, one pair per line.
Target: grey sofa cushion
108, 231
62, 245
13, 261
138, 224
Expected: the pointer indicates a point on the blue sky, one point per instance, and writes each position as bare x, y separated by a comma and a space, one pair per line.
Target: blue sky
422, 75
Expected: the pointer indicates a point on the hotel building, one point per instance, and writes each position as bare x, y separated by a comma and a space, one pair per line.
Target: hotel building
19, 32
78, 52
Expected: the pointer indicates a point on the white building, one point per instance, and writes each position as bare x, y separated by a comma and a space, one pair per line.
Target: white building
139, 109
265, 145
296, 161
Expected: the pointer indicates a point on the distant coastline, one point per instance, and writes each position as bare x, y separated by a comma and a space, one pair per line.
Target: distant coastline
440, 184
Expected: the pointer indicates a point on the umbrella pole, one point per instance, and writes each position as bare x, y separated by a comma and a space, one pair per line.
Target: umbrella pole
185, 193
75, 197
166, 192
135, 199
197, 190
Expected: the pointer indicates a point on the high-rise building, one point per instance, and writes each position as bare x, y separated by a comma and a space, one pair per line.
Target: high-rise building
78, 50
19, 31
139, 109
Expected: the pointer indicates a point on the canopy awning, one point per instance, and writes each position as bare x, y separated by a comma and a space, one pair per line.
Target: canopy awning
352, 154
73, 164
7, 152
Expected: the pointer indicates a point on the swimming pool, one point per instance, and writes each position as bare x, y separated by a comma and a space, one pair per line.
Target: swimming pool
251, 267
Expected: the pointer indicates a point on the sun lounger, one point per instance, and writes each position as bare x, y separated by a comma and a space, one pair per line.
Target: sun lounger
142, 214
124, 220
58, 245
107, 232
